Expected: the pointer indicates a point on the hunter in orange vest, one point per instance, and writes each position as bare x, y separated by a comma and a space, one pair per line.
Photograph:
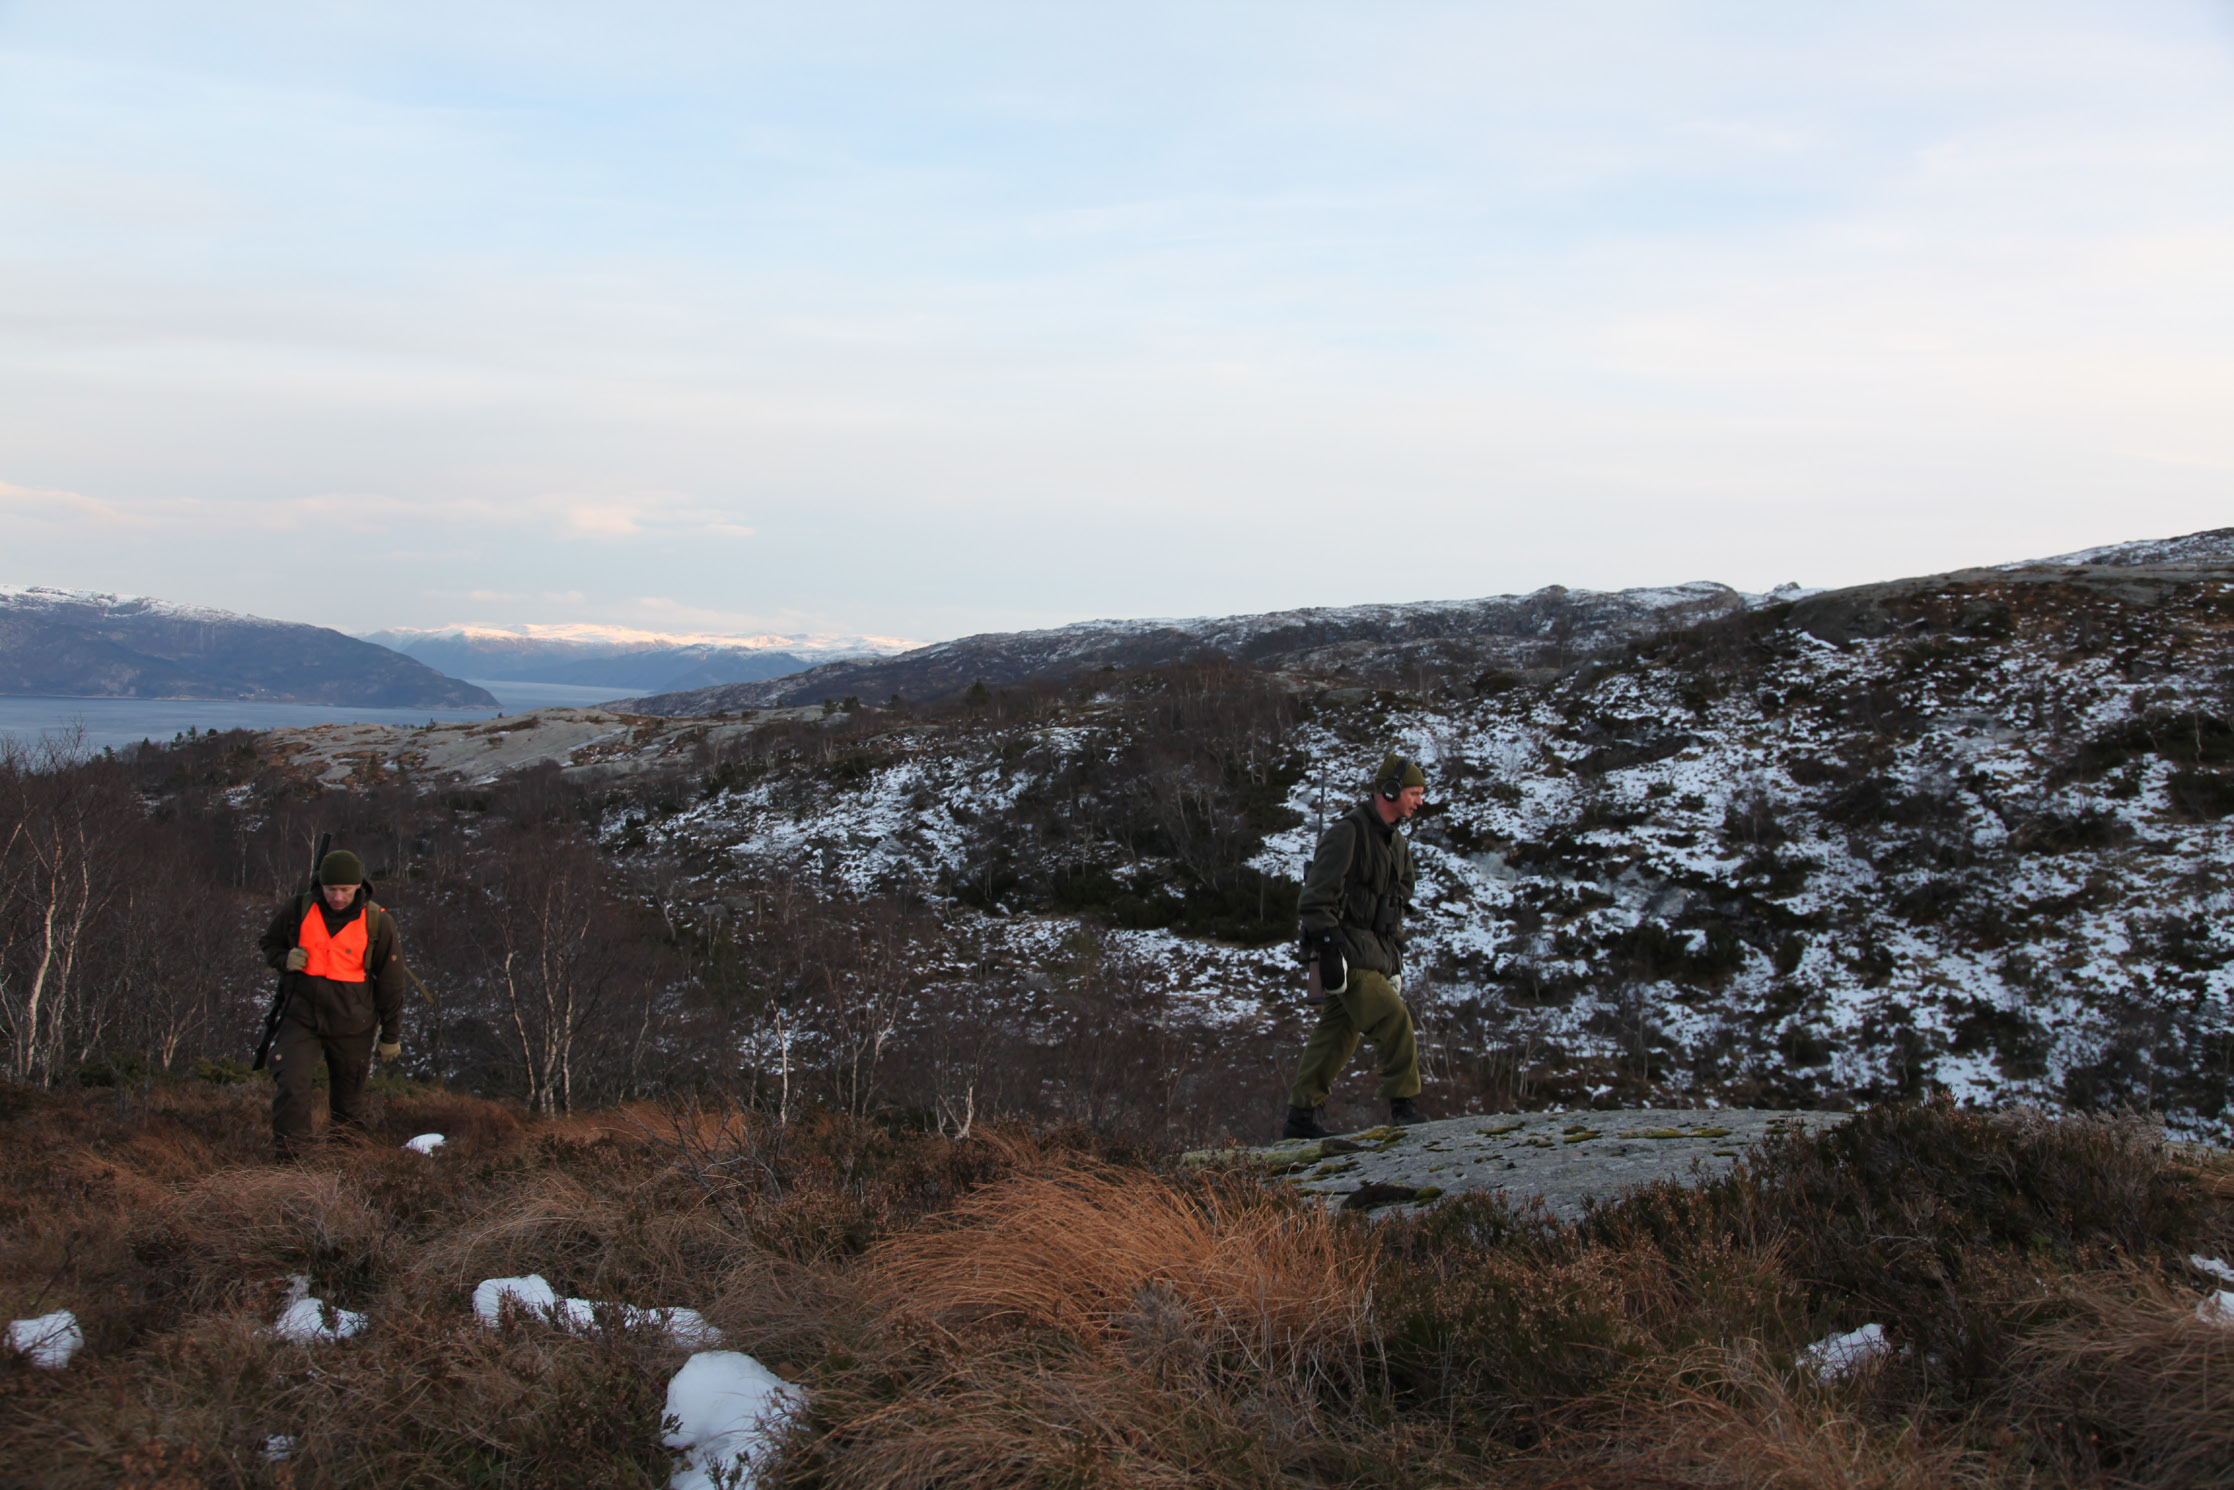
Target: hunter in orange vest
347, 998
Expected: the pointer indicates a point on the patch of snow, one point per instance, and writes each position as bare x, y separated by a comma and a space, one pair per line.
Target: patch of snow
280, 1447
727, 1409
304, 1323
686, 1327
2218, 1308
426, 1143
2212, 1265
531, 1293
49, 1340
1837, 1356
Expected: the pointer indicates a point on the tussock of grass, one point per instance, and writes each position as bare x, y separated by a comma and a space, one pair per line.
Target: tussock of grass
1093, 1325
1031, 1308
1073, 1249
2128, 1384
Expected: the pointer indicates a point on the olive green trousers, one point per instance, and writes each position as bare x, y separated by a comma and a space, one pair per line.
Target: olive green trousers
1371, 1008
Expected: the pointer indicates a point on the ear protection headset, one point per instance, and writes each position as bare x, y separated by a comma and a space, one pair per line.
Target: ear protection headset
1391, 782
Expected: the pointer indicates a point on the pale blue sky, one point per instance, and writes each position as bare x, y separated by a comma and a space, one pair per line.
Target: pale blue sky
921, 320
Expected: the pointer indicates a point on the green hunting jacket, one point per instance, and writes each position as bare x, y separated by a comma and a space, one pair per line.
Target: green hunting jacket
1360, 859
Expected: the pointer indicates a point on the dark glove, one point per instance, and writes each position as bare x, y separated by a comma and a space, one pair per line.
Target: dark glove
297, 959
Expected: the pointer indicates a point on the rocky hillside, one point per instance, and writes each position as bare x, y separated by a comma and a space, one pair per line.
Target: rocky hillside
1963, 832
1550, 626
78, 644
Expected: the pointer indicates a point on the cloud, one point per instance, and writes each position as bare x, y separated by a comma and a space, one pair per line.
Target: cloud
966, 333
509, 597
650, 516
638, 516
43, 504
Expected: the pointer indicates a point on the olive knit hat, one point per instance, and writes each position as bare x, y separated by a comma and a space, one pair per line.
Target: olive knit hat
341, 867
1401, 770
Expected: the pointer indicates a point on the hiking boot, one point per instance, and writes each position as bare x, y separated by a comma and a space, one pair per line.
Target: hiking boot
1404, 1112
1303, 1122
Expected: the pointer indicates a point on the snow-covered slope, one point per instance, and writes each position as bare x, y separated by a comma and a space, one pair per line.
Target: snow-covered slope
1984, 850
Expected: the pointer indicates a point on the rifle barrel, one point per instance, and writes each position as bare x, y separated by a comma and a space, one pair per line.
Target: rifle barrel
278, 1010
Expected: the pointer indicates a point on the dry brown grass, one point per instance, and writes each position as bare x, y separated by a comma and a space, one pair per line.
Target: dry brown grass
1076, 1249
1019, 1310
1732, 1419
2130, 1385
1082, 1324
1096, 1327
162, 1225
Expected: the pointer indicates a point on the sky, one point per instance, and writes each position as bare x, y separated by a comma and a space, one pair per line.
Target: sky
921, 320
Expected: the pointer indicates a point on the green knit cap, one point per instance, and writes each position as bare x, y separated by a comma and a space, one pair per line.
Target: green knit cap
1402, 771
341, 867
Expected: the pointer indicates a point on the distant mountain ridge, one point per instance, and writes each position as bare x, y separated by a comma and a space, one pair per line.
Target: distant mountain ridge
619, 658
2213, 548
1497, 631
87, 644
1547, 626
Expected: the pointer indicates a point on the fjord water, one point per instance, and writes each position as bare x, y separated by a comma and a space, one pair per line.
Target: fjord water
95, 723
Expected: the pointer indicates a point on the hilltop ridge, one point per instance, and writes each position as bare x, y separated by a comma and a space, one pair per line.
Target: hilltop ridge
1497, 630
1546, 627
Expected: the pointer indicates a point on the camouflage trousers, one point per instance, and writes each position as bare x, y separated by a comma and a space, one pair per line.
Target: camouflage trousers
1371, 1008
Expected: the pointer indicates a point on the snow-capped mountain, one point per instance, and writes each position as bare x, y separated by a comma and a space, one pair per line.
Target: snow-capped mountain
86, 644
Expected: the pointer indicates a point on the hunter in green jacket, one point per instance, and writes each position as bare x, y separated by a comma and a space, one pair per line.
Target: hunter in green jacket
1351, 915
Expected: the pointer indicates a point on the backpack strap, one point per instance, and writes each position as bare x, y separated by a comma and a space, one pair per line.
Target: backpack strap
1349, 866
373, 913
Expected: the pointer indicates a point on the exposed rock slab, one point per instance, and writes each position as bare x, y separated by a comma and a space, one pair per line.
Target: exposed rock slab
1567, 1158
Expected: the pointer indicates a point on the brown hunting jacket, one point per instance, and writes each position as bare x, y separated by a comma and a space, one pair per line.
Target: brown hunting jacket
336, 1008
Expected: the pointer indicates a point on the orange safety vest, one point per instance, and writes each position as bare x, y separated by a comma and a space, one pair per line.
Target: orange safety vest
340, 957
